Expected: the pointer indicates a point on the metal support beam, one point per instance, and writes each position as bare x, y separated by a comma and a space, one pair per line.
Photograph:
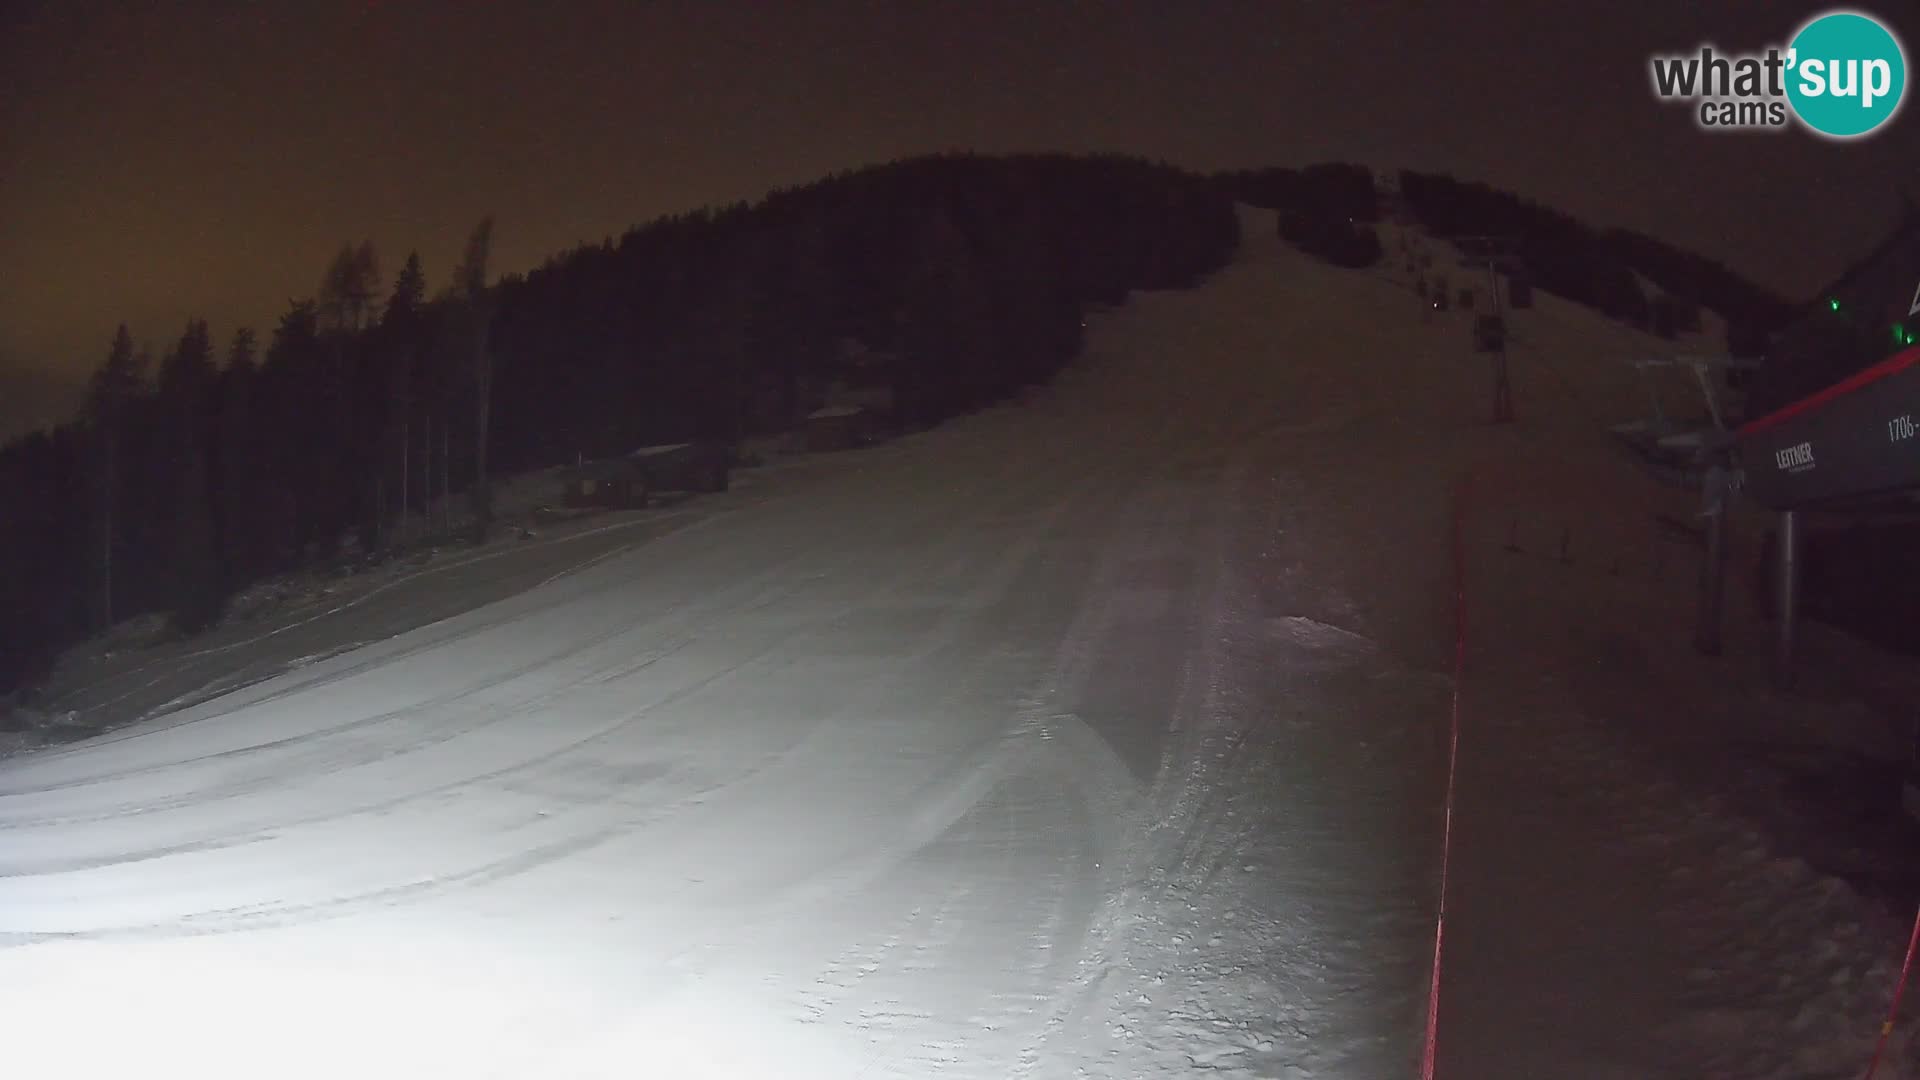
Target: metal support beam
1713, 583
1653, 395
1502, 388
1489, 251
1707, 391
1787, 597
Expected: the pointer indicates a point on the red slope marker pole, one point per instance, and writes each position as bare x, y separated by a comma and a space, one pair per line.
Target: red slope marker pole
1899, 988
1460, 494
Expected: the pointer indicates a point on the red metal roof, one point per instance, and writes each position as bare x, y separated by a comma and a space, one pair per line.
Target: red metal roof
1899, 361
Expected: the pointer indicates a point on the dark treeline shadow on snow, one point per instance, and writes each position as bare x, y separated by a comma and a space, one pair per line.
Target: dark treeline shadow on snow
1328, 210
1863, 577
194, 470
1597, 268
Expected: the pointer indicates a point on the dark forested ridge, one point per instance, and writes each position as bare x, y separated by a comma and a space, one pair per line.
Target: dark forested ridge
198, 468
1328, 210
1596, 267
951, 280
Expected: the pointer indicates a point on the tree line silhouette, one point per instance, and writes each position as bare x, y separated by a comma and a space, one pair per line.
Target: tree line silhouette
1329, 210
1601, 268
952, 280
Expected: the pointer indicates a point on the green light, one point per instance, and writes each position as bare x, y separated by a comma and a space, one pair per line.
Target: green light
1833, 304
1900, 335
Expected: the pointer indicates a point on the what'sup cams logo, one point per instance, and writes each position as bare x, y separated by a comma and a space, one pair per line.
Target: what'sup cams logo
1842, 76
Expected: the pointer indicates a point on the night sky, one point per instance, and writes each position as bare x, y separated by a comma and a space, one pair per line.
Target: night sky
165, 160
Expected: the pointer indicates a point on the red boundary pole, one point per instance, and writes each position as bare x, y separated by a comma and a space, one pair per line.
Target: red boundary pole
1899, 988
1461, 494
1462, 505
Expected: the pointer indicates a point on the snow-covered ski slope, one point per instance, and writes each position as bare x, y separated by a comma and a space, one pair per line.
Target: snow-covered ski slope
1095, 735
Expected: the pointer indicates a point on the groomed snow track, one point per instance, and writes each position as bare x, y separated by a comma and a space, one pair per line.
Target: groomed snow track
1092, 735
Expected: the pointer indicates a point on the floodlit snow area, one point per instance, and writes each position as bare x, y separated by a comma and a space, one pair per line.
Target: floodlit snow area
1100, 734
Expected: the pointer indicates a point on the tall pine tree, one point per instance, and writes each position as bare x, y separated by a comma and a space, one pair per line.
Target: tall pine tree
195, 583
111, 393
470, 314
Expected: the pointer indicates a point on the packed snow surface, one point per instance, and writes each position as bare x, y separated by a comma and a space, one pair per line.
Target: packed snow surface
1096, 735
